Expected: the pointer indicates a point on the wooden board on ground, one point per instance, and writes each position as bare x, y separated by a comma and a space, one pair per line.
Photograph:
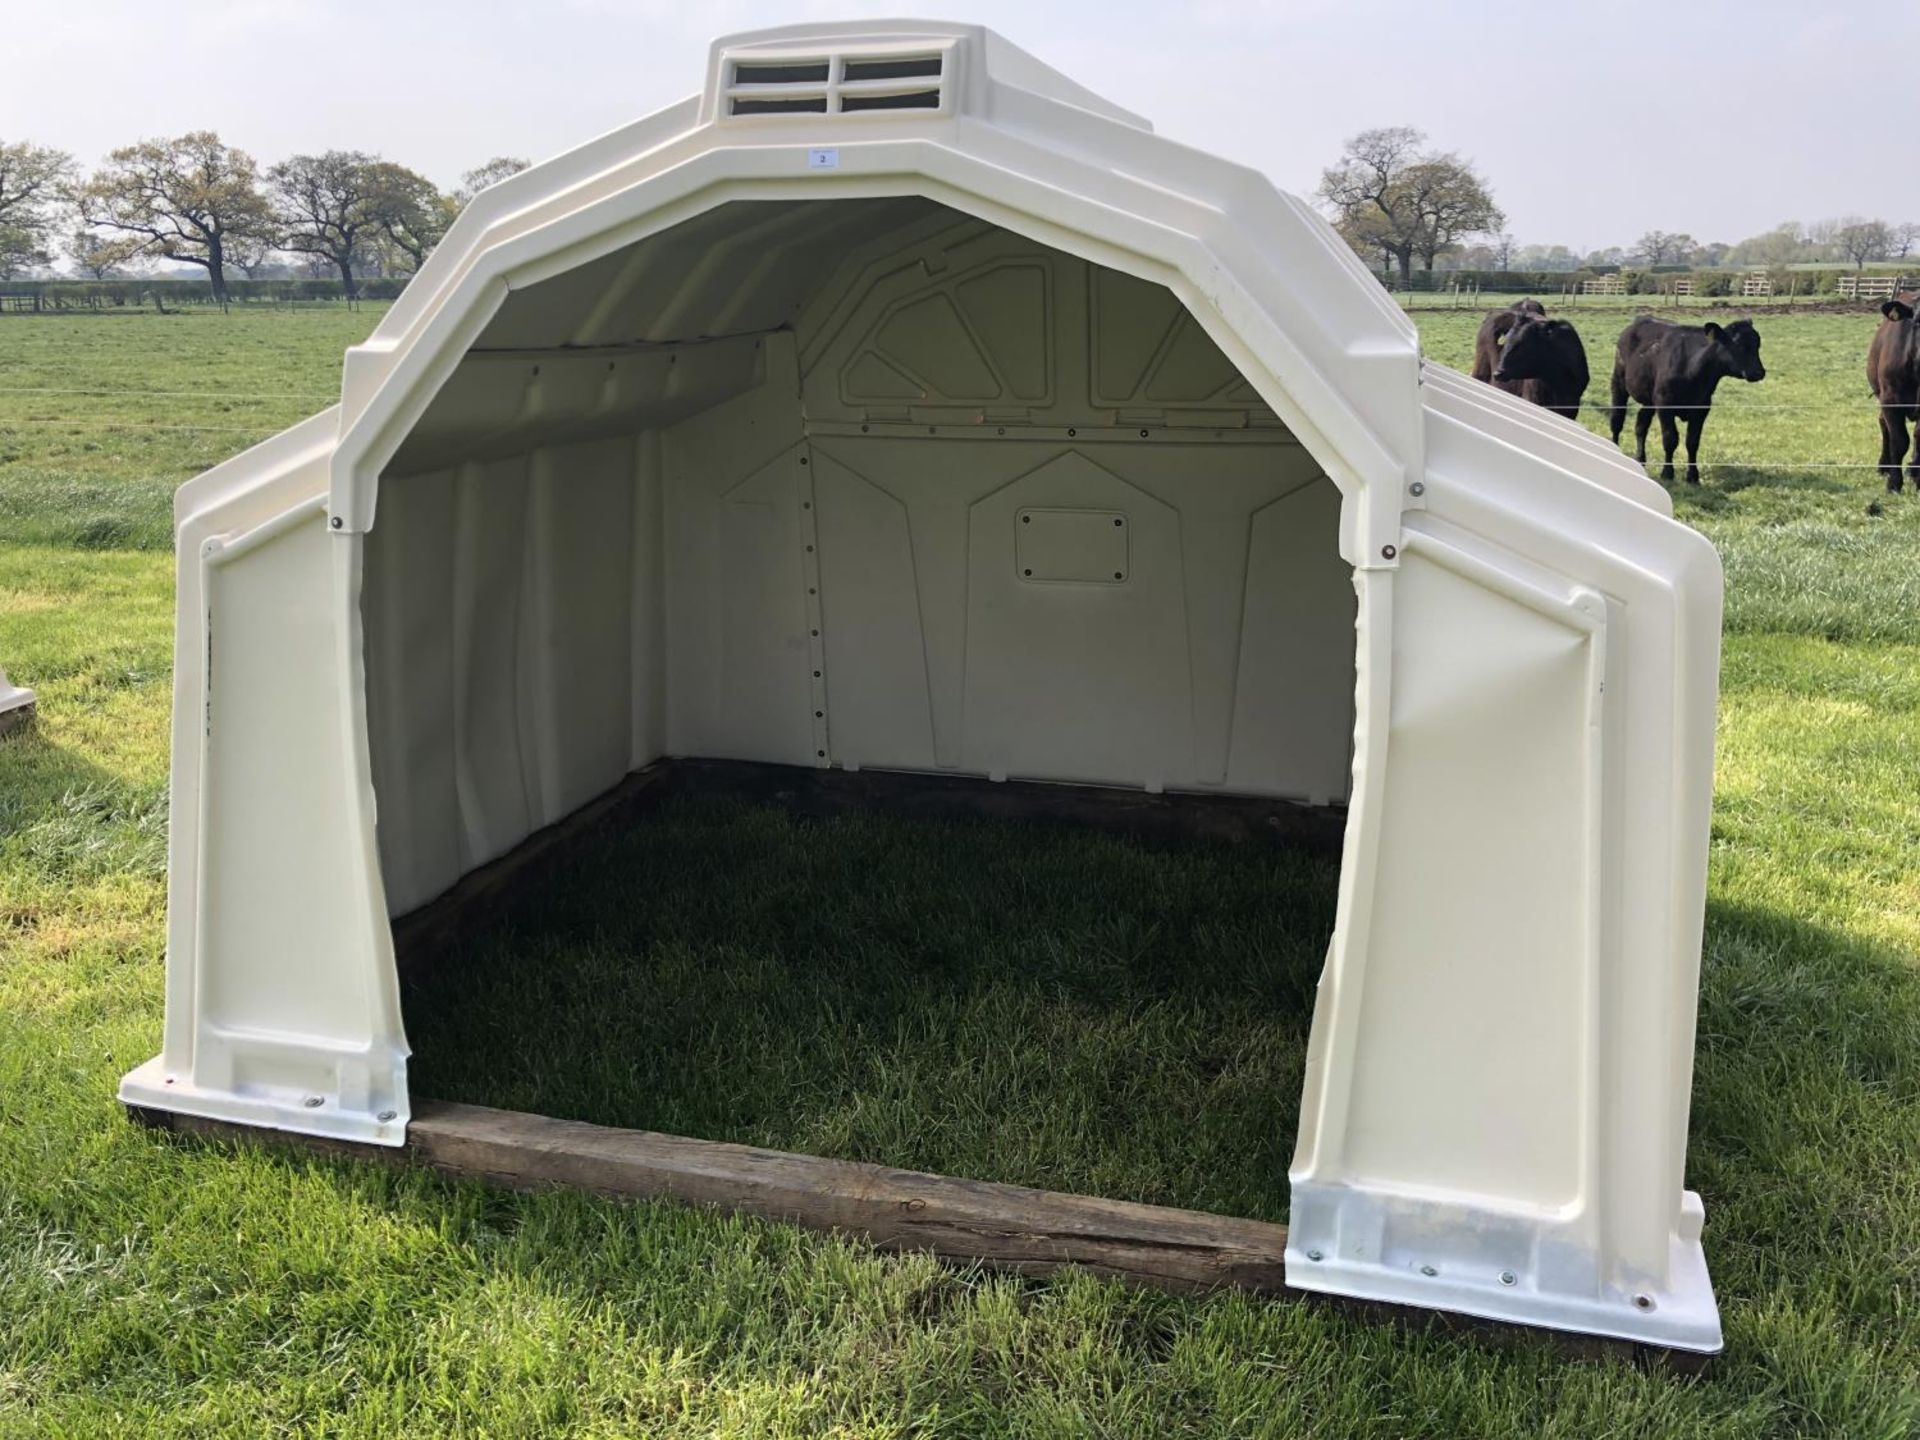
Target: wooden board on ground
1004, 1226
1001, 1227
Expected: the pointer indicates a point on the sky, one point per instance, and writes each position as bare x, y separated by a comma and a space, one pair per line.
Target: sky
1593, 123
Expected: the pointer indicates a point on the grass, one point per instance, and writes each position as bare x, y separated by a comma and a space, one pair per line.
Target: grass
1017, 1003
94, 470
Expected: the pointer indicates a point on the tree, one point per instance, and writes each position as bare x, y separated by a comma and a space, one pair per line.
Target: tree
499, 168
193, 199
1864, 240
1391, 198
1451, 201
20, 252
1547, 257
1366, 190
1503, 250
97, 257
326, 206
1661, 247
250, 254
35, 181
412, 215
1902, 238
1782, 245
1368, 236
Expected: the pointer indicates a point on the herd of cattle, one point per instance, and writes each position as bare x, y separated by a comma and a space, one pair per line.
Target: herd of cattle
1671, 371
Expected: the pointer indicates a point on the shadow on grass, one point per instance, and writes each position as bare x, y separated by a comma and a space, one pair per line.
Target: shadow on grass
1732, 479
69, 818
1020, 1002
1806, 1114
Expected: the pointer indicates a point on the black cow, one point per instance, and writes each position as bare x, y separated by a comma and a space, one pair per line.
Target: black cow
1893, 370
1543, 361
1493, 330
1671, 371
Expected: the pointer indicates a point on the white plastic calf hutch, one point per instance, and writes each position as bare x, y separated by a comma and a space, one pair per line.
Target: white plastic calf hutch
898, 404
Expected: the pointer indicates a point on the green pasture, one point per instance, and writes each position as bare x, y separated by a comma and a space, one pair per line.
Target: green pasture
1016, 1003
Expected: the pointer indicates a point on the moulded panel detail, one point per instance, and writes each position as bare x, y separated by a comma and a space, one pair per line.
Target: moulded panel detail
1084, 547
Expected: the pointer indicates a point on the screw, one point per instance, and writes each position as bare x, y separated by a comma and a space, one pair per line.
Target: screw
1118, 576
1506, 1277
1026, 572
1026, 519
1387, 552
1071, 433
314, 1102
821, 753
1643, 1302
336, 522
1428, 1271
1419, 487
386, 1115
1116, 519
803, 459
1143, 434
1315, 1255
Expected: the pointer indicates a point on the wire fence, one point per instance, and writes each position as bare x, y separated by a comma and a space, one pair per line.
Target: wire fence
95, 424
320, 398
166, 394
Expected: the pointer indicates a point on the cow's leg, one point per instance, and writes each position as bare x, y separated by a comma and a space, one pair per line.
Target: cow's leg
1913, 460
1696, 422
1642, 423
1670, 442
1617, 411
1893, 445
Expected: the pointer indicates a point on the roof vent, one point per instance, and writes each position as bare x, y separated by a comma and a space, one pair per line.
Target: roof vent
850, 83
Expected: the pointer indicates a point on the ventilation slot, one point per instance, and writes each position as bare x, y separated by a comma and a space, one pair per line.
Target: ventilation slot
770, 105
836, 84
920, 68
810, 71
912, 100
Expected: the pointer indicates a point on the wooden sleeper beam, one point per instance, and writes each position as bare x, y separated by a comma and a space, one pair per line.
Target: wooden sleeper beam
1007, 1227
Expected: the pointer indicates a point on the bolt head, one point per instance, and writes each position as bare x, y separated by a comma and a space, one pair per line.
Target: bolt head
1315, 1255
1419, 487
1428, 1270
313, 1102
1387, 552
1507, 1277
386, 1115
